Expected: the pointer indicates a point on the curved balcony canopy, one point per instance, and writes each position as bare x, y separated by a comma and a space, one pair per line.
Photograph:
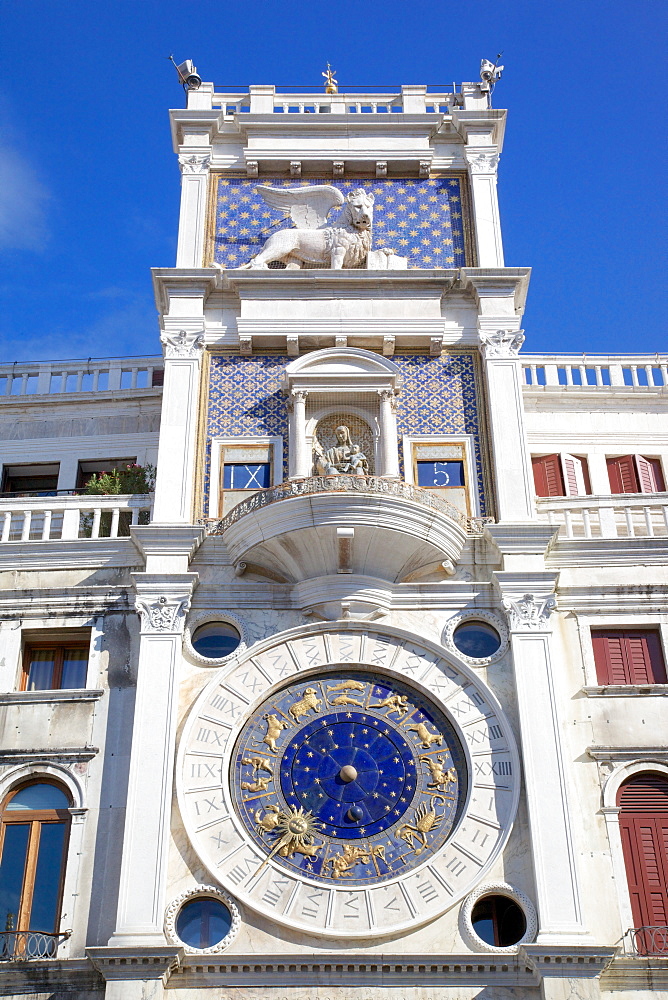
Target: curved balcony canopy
364, 525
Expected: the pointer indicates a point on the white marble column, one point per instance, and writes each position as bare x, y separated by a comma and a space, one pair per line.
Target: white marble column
483, 164
178, 428
192, 217
162, 602
529, 601
389, 447
301, 460
512, 465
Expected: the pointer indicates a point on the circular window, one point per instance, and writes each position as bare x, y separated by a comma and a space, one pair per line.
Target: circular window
203, 922
498, 921
215, 640
497, 917
476, 639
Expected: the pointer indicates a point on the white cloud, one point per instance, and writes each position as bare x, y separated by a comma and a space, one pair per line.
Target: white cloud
23, 199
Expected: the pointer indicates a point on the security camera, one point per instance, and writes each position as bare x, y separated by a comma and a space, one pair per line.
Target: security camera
490, 73
188, 75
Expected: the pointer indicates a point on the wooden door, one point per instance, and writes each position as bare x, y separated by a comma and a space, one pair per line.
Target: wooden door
643, 823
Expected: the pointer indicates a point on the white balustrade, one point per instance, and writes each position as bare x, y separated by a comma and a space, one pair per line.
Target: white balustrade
31, 519
588, 371
633, 515
92, 375
373, 104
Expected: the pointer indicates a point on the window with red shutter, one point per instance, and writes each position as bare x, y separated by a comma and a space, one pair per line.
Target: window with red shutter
548, 479
635, 474
628, 656
643, 824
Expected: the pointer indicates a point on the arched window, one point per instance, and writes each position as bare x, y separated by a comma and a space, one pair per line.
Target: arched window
34, 830
643, 824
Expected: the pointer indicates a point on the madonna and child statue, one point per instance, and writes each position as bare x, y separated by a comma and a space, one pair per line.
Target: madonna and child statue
345, 458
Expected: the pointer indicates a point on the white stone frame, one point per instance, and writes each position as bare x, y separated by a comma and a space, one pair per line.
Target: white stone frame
585, 623
274, 444
12, 641
62, 775
496, 889
212, 892
473, 615
369, 418
200, 618
468, 440
335, 373
655, 760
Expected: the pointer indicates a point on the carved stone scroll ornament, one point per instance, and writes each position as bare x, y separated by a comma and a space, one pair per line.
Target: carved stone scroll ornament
165, 614
483, 163
501, 343
529, 612
183, 344
195, 163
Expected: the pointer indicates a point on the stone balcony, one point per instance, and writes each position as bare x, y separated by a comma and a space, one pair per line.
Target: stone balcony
64, 518
320, 526
627, 515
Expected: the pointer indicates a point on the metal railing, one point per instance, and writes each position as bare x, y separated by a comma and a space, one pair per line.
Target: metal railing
40, 519
643, 941
26, 946
91, 375
639, 371
355, 485
632, 515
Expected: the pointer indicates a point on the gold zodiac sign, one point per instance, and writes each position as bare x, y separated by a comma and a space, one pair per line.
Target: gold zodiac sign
274, 728
294, 829
348, 686
439, 778
343, 699
308, 701
259, 784
395, 702
426, 821
258, 763
270, 820
424, 734
342, 864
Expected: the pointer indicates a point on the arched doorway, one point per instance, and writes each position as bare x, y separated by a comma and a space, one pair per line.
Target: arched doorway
643, 824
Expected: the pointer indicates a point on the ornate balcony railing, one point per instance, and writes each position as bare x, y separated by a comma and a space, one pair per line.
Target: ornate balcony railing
632, 515
355, 485
26, 946
644, 941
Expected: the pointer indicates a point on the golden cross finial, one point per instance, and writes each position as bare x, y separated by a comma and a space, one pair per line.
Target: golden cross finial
330, 83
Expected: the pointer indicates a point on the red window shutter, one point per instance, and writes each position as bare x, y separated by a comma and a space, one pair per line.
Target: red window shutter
643, 822
622, 474
574, 479
547, 476
645, 475
628, 657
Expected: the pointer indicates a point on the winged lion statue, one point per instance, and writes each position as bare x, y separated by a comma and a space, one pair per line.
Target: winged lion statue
345, 244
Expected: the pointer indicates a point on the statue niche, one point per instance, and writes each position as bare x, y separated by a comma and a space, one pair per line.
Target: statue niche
339, 451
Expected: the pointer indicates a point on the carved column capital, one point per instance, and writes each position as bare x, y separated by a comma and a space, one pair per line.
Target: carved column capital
183, 344
194, 163
163, 614
529, 612
482, 163
299, 395
501, 343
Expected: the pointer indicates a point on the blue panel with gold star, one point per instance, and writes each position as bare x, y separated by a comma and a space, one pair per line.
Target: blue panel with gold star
419, 219
349, 776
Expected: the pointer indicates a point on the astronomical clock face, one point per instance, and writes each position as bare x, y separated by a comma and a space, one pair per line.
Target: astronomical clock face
347, 781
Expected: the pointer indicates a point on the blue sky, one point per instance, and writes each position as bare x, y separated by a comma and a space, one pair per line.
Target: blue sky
89, 187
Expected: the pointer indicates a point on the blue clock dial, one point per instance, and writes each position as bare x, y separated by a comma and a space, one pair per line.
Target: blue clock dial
349, 776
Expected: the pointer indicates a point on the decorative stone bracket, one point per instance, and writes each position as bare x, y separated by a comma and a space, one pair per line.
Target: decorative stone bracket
183, 344
501, 343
